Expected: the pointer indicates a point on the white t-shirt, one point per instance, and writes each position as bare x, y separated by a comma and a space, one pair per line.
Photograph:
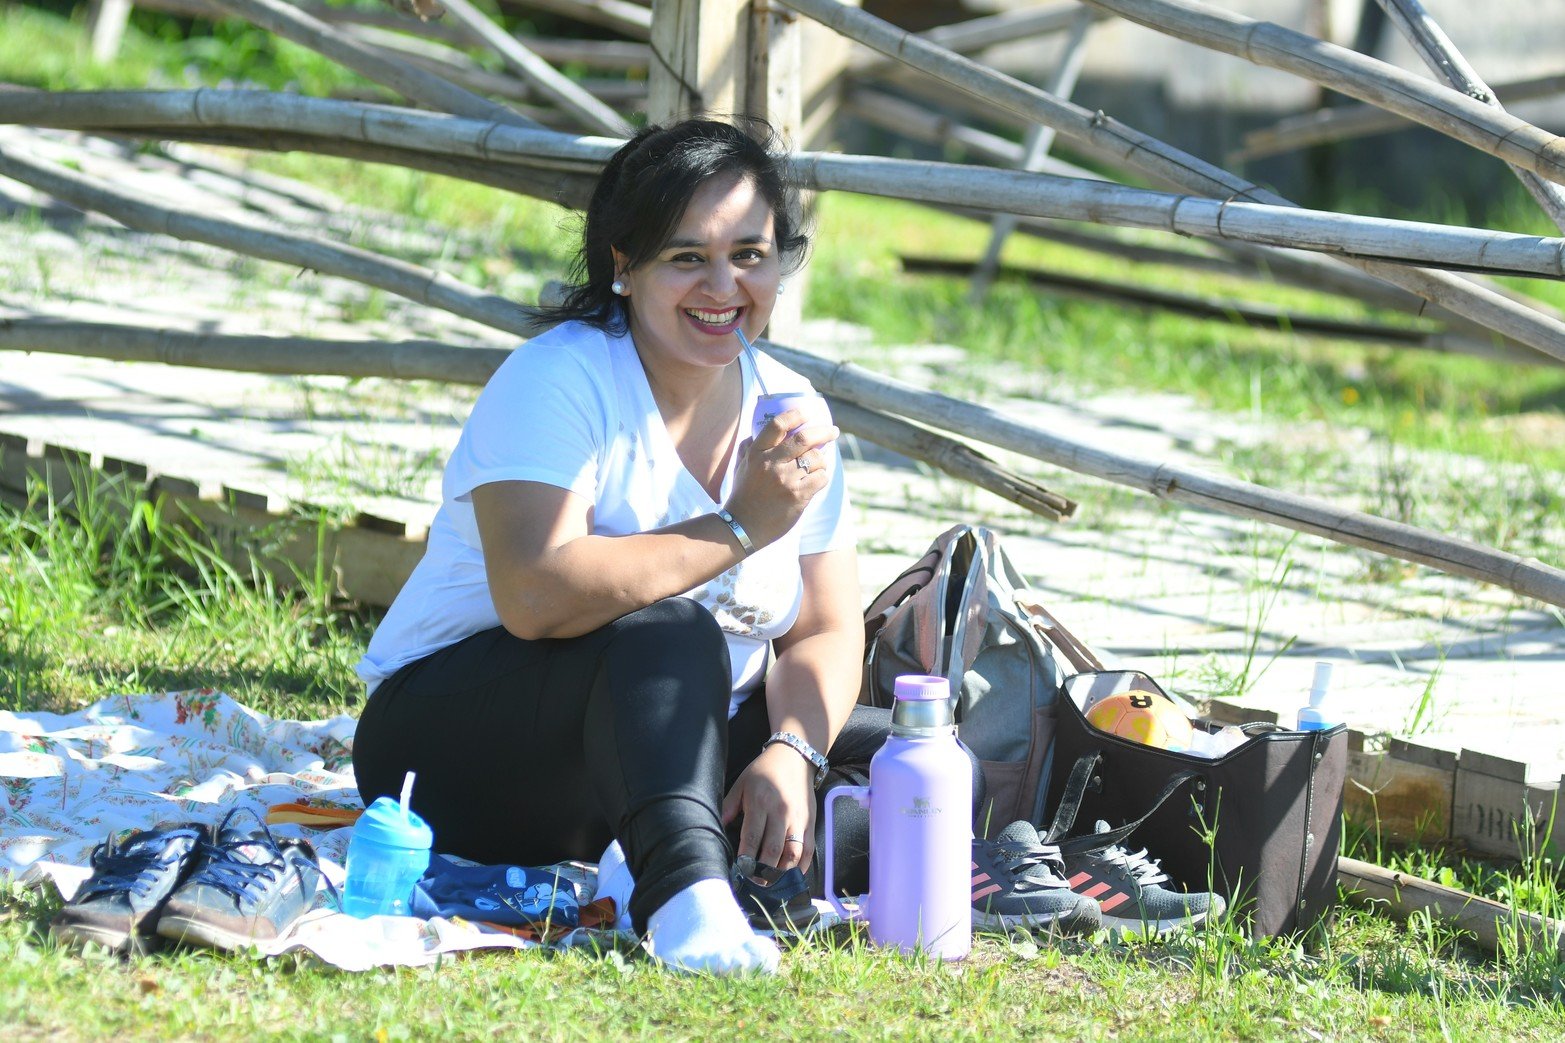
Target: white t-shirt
572, 408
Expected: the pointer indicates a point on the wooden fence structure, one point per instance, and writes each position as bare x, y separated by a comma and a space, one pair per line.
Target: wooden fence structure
533, 130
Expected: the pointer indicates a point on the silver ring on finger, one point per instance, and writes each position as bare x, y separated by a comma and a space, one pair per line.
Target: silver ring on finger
801, 463
793, 838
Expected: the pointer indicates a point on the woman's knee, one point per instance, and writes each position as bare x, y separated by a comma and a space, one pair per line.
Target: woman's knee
674, 628
677, 615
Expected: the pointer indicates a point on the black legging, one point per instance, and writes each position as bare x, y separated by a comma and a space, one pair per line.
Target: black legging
531, 752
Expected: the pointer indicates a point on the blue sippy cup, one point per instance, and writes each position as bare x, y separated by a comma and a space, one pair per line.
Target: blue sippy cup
387, 854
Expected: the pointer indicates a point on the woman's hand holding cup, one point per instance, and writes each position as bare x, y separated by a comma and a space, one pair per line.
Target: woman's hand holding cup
782, 467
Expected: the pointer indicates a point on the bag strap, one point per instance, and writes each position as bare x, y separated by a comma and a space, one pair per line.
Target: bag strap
1070, 807
1080, 656
967, 629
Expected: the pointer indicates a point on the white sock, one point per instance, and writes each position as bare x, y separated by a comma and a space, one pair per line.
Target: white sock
702, 929
615, 881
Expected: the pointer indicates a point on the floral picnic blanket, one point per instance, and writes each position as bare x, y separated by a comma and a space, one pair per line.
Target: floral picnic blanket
132, 762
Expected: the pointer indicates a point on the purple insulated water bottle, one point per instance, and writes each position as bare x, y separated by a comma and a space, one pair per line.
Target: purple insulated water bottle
920, 800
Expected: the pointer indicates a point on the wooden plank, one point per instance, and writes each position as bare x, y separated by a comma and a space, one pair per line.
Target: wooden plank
1490, 923
1403, 792
371, 560
17, 460
1495, 811
367, 566
704, 50
773, 91
1224, 712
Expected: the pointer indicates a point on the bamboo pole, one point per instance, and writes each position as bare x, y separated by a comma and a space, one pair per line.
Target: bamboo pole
1311, 271
344, 121
609, 55
977, 34
1479, 305
1040, 139
1293, 266
950, 456
1346, 71
1441, 55
424, 285
1421, 338
433, 360
106, 20
1461, 557
457, 67
1344, 122
558, 88
1028, 194
1225, 309
1492, 924
629, 19
563, 187
289, 22
338, 123
917, 123
1045, 195
1526, 576
247, 353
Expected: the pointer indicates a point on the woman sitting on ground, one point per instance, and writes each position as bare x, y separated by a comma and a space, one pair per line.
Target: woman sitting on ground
632, 621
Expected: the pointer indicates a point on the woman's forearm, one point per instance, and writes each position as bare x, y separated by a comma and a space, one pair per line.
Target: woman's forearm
593, 580
814, 685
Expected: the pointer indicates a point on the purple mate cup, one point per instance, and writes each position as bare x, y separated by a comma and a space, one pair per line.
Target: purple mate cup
810, 403
920, 800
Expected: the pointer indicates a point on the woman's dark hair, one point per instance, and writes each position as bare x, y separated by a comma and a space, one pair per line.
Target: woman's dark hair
642, 195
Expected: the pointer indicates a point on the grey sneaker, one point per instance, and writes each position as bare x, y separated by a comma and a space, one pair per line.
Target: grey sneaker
1018, 881
245, 887
117, 907
1128, 887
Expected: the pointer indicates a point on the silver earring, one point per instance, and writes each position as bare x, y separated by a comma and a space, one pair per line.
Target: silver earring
618, 287
782, 288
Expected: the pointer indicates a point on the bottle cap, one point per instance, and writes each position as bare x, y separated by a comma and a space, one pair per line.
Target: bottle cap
921, 687
923, 704
385, 823
1321, 684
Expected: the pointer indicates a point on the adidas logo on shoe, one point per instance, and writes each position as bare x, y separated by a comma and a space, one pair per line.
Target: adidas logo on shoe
1018, 882
1128, 889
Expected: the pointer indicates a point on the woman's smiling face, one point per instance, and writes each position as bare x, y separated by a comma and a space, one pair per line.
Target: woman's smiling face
718, 272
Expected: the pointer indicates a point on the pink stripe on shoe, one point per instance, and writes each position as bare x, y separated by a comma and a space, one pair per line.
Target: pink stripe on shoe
1111, 902
1095, 890
985, 892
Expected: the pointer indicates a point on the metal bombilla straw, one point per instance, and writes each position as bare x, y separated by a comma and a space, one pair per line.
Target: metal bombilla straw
750, 351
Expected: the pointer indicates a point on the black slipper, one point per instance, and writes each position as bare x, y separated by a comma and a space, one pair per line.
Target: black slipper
773, 899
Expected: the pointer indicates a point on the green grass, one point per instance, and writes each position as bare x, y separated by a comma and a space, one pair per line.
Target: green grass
101, 592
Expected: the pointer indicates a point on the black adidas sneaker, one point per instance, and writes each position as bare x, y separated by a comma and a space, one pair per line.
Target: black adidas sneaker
1019, 882
1129, 891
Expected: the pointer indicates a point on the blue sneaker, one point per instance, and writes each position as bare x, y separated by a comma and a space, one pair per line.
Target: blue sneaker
118, 905
245, 887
